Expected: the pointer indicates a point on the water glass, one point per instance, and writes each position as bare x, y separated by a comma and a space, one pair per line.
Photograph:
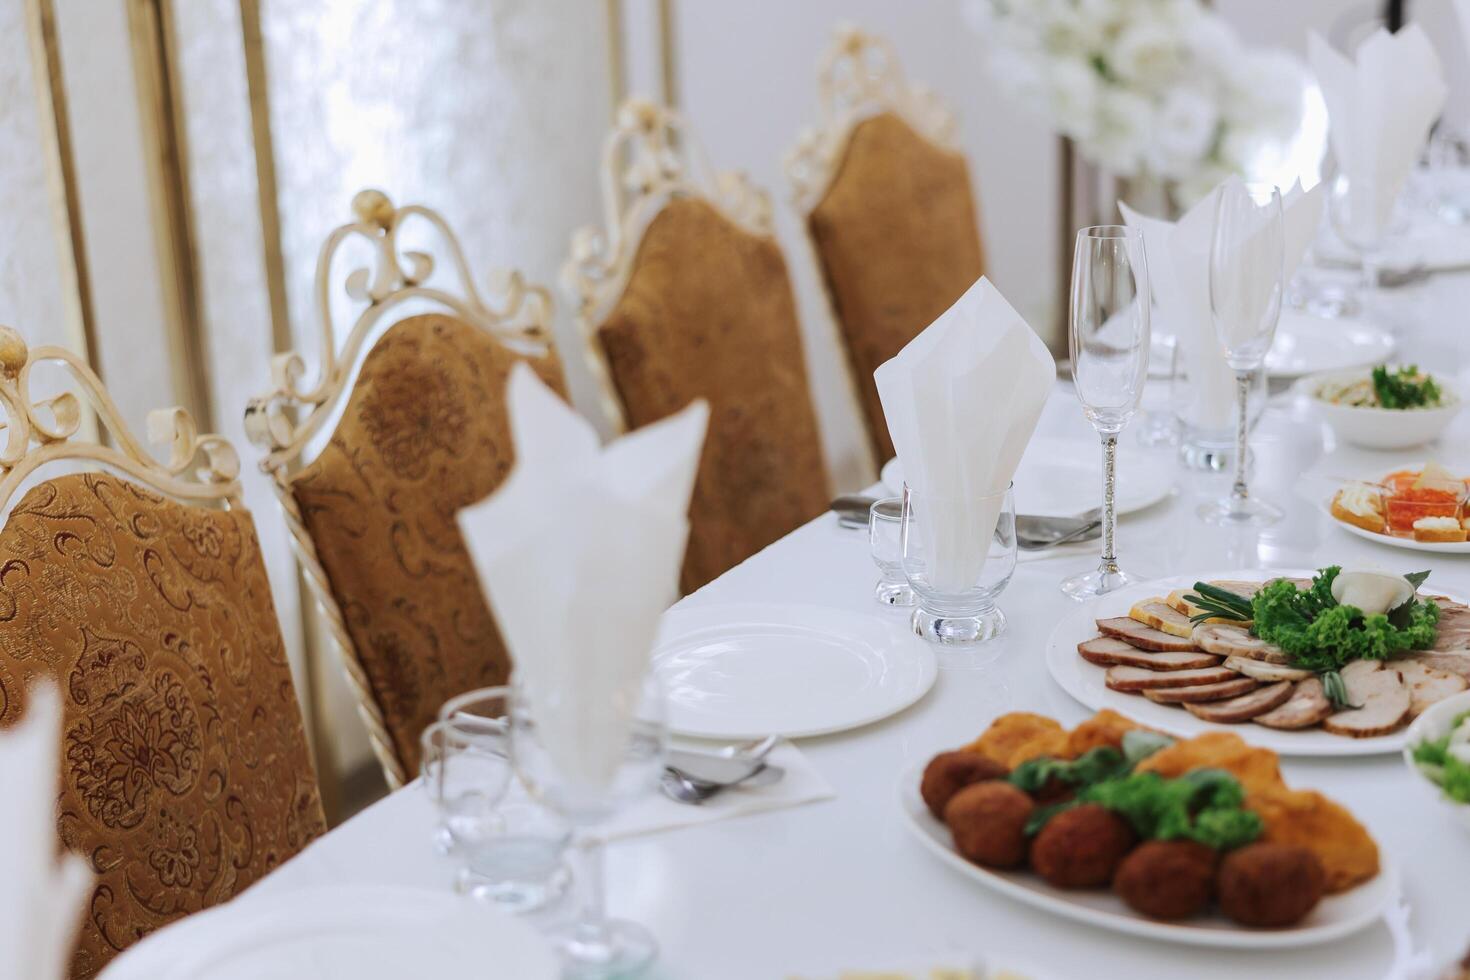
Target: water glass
1203, 403
510, 850
885, 541
1109, 341
585, 760
959, 555
1246, 285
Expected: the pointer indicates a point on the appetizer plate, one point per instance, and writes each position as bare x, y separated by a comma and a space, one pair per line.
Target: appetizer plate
1435, 547
1307, 344
738, 671
1335, 917
1061, 478
363, 932
1084, 681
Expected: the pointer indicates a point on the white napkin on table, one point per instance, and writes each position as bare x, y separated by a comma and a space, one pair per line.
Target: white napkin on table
1179, 269
1380, 106
41, 900
961, 401
578, 553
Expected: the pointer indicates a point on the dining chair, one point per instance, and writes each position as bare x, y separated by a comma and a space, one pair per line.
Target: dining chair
138, 588
685, 295
418, 429
886, 198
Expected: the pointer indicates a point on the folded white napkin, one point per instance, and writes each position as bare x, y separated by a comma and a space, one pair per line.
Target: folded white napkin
1380, 106
1179, 270
41, 899
961, 401
579, 554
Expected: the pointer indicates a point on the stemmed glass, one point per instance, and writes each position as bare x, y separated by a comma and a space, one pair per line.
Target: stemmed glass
1353, 210
1109, 341
1246, 283
585, 761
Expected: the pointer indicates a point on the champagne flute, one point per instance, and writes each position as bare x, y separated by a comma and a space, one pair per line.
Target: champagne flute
1109, 341
1246, 283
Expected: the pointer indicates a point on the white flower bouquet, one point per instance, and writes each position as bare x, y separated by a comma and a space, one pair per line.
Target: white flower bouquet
1158, 89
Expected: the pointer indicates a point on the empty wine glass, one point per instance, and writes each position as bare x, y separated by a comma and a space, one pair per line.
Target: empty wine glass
1358, 220
1109, 339
1246, 273
586, 758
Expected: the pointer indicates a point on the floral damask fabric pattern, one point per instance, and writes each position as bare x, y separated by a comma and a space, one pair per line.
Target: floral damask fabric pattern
185, 771
424, 434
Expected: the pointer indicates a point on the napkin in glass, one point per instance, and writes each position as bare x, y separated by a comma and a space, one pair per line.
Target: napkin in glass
1380, 106
1179, 270
961, 401
578, 553
40, 899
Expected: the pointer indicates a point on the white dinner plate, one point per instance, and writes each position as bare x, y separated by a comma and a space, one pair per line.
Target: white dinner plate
342, 933
1336, 916
1434, 547
740, 671
1058, 478
1084, 681
1306, 344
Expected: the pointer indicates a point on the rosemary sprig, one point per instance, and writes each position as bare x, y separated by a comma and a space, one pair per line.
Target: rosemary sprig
1336, 690
1218, 603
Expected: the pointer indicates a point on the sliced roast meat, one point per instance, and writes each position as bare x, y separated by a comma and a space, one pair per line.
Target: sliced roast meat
1202, 692
1267, 672
1162, 616
1246, 590
1105, 651
1236, 641
1451, 661
1427, 685
1382, 700
1139, 679
1452, 633
1144, 637
1306, 706
1233, 711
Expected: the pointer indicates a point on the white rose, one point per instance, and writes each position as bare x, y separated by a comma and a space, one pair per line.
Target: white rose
1124, 131
1022, 76
1184, 130
1212, 43
1146, 55
1074, 88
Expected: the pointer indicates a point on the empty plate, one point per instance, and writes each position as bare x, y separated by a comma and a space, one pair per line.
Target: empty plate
744, 671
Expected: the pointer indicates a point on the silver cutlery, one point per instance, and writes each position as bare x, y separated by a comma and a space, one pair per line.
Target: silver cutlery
683, 787
1033, 532
693, 777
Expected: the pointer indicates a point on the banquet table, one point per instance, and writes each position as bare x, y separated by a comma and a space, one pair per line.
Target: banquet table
842, 884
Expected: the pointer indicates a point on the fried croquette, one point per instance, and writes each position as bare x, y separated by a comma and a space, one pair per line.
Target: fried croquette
950, 772
1082, 847
1307, 818
1107, 727
1167, 879
988, 821
1270, 885
1255, 768
1018, 736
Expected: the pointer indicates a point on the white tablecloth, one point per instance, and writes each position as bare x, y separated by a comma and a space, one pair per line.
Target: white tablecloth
842, 882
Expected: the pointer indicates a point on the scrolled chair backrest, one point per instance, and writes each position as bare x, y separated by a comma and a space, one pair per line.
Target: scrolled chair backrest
420, 431
684, 294
138, 587
886, 197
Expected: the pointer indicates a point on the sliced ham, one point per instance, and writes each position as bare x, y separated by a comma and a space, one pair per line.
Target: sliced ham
1163, 617
1105, 651
1139, 679
1202, 692
1381, 695
1233, 711
1267, 672
1144, 637
1427, 685
1306, 706
1235, 641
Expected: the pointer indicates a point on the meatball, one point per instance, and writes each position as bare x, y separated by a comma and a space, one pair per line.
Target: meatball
1167, 879
1270, 885
1081, 847
988, 821
950, 772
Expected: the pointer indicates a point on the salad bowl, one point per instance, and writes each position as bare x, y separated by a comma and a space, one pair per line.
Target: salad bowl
1436, 723
1376, 426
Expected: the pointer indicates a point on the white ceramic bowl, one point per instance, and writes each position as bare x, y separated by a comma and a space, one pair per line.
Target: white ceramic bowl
1381, 428
1435, 723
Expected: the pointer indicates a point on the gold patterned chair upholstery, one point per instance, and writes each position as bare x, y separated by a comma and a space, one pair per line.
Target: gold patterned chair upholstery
889, 208
687, 296
422, 433
185, 774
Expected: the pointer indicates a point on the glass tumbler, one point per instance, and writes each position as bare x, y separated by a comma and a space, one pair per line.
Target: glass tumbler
959, 555
510, 850
885, 541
